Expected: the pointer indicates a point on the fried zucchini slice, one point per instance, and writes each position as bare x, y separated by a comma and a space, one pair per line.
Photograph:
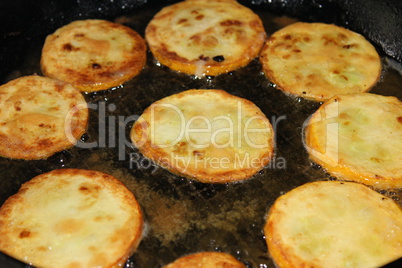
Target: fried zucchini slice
334, 224
40, 116
201, 37
207, 135
93, 55
206, 260
318, 61
71, 218
358, 137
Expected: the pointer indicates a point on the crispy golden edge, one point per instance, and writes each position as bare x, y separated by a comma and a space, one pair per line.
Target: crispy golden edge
272, 75
343, 172
212, 68
206, 260
280, 252
106, 181
190, 68
79, 122
102, 80
153, 153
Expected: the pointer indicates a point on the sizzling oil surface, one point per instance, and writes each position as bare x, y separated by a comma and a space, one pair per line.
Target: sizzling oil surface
185, 216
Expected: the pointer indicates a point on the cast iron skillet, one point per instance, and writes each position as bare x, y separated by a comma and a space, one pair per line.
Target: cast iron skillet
184, 216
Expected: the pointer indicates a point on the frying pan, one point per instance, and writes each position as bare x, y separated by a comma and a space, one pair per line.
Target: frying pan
184, 216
